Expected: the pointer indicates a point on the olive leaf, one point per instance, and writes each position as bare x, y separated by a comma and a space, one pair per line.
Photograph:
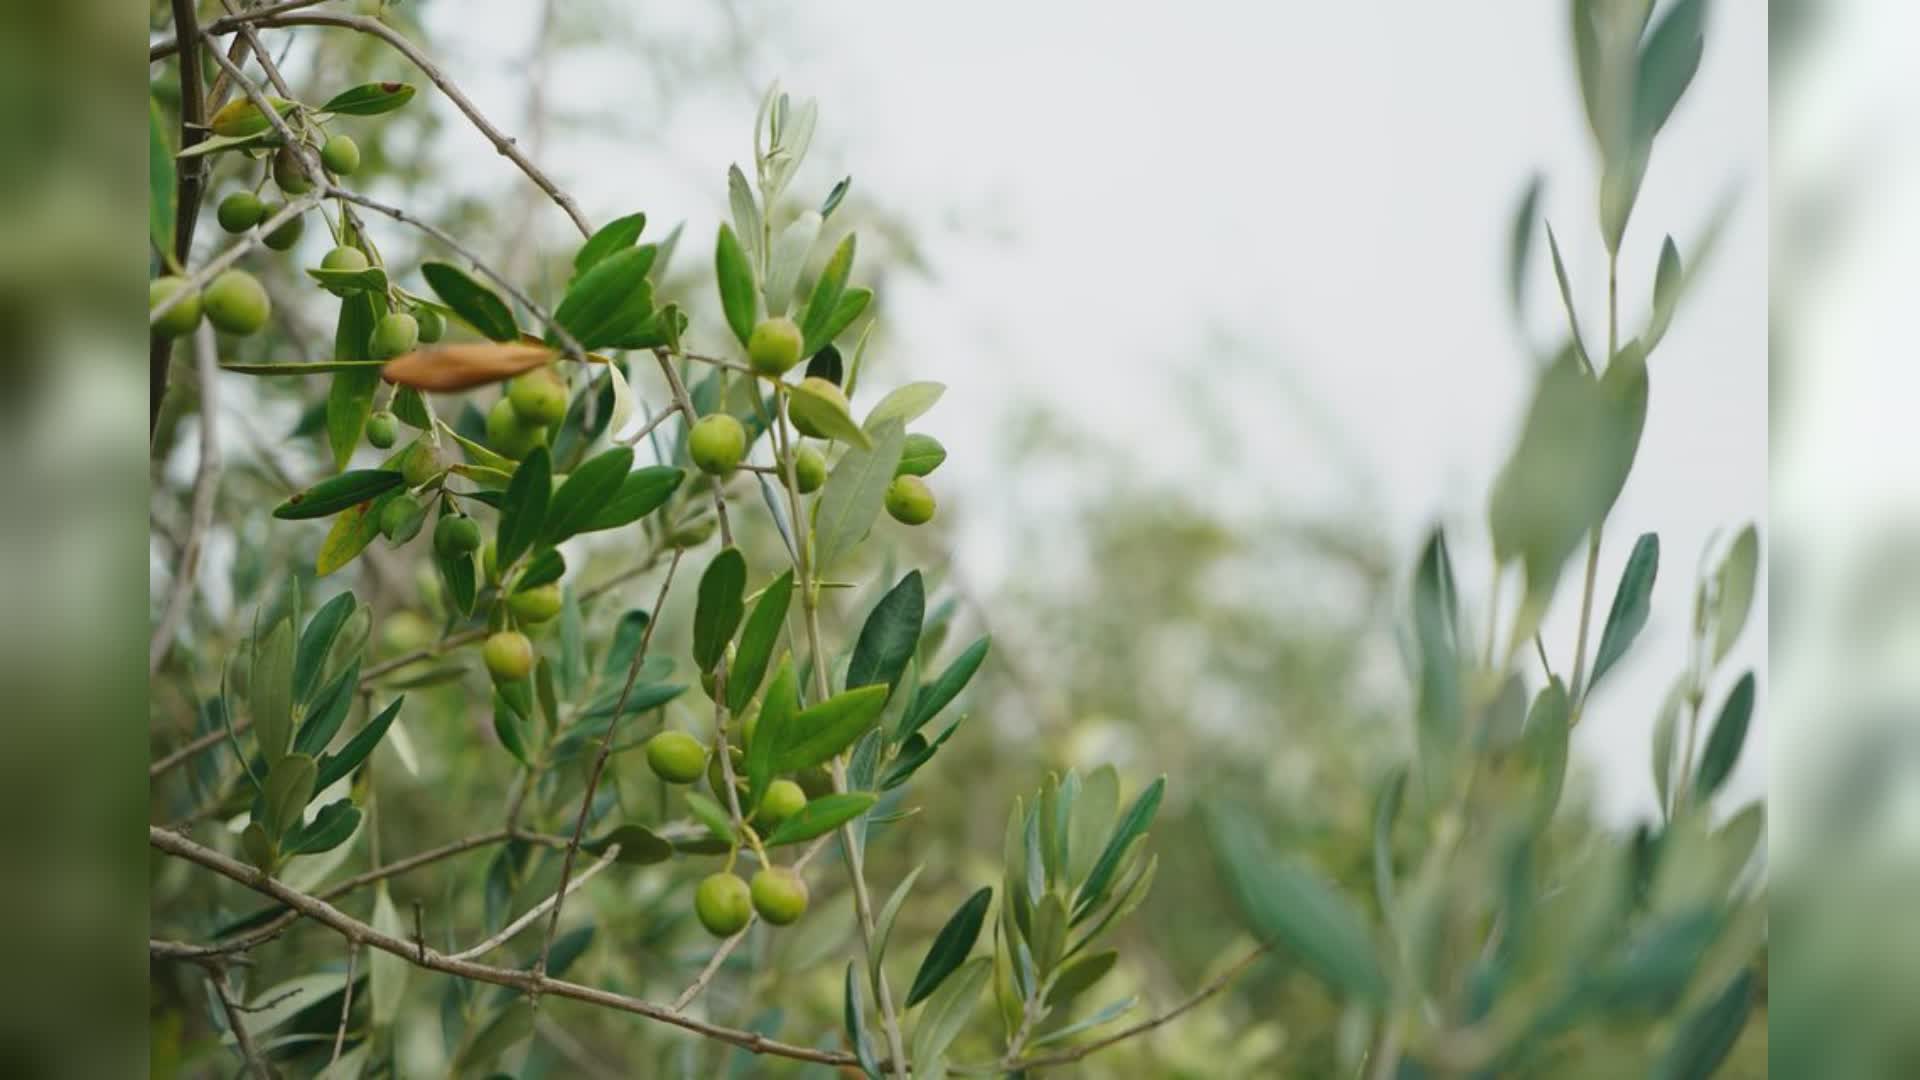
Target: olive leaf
289, 787
930, 698
1734, 584
316, 641
272, 692
889, 636
332, 767
524, 513
585, 493
823, 304
826, 415
821, 816
905, 404
474, 303
447, 368
332, 826
350, 395
641, 492
855, 489
717, 613
1729, 736
738, 298
1631, 605
336, 493
639, 845
757, 641
369, 99
950, 946
616, 235
610, 303
818, 733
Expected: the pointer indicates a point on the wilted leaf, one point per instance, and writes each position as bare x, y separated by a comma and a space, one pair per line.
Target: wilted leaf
443, 368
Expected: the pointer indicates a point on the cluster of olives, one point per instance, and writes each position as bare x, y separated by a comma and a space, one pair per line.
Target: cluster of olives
718, 442
722, 900
234, 302
524, 416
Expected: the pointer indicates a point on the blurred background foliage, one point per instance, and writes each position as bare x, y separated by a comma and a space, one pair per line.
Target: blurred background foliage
1247, 650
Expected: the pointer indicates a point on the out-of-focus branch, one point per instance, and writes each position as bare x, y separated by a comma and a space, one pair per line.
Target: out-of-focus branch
206, 485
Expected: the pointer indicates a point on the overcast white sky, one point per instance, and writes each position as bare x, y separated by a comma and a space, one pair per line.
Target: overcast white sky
1102, 190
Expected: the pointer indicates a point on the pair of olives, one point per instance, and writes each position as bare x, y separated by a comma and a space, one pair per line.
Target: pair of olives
242, 210
234, 302
724, 903
520, 421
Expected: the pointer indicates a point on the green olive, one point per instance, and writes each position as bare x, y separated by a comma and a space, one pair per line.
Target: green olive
404, 631
344, 258
182, 317
289, 173
509, 435
395, 334
539, 396
456, 535
508, 655
783, 799
920, 455
535, 605
724, 904
235, 302
341, 155
717, 443
909, 500
774, 346
433, 325
676, 757
401, 517
382, 429
809, 469
420, 463
287, 235
819, 387
241, 211
815, 781
779, 895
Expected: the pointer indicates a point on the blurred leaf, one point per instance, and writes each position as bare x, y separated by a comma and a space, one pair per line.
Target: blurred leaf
369, 99
1734, 584
826, 415
855, 489
1705, 1038
738, 298
890, 635
1651, 970
544, 568
328, 711
1566, 299
816, 324
821, 816
317, 367
458, 575
524, 514
334, 766
883, 926
789, 255
316, 641
1288, 904
1386, 809
1667, 65
1549, 731
1665, 728
641, 492
852, 303
336, 493
616, 235
332, 826
472, 302
1106, 1014
1133, 824
1729, 736
818, 733
717, 614
905, 404
509, 725
757, 642
773, 731
639, 845
350, 396
1079, 976
930, 698
444, 368
1090, 819
856, 1025
512, 1027
1668, 283
586, 492
1520, 242
950, 946
1436, 632
160, 181
610, 303
345, 283
712, 815
746, 216
272, 1007
289, 787
1631, 605
271, 690
947, 1013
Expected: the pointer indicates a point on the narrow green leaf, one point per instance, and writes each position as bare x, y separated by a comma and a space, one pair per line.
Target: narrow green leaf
883, 925
821, 816
1666, 727
328, 711
826, 415
1520, 243
757, 641
1735, 583
946, 1015
1106, 1014
513, 1026
854, 491
369, 99
639, 845
334, 766
586, 492
352, 531
219, 143
524, 514
1669, 282
856, 1024
331, 827
711, 814
272, 692
611, 301
474, 303
616, 235
289, 787
746, 213
350, 397
1386, 810
773, 731
825, 300
1287, 904
1436, 634
1566, 298
336, 493
905, 404
1724, 745
890, 635
852, 303
545, 568
1133, 824
316, 641
738, 297
820, 732
641, 492
1632, 602
929, 699
317, 367
1668, 62
1546, 744
1704, 1039
458, 575
161, 192
717, 613
345, 283
510, 725
1078, 976
950, 946
915, 751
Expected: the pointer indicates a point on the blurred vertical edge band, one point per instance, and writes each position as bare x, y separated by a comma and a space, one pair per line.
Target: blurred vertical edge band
72, 197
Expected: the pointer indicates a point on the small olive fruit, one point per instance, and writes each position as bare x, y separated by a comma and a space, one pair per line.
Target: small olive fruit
809, 469
241, 211
183, 316
433, 325
909, 500
344, 258
774, 345
419, 464
920, 455
723, 903
456, 535
404, 631
535, 605
717, 444
236, 303
820, 388
676, 757
779, 895
539, 396
717, 780
382, 429
400, 519
509, 435
508, 655
783, 799
288, 234
341, 155
396, 333
815, 781
289, 173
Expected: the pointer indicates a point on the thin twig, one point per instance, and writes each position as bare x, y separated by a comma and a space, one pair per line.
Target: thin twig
512, 929
346, 999
247, 242
727, 947
228, 24
206, 485
599, 766
217, 974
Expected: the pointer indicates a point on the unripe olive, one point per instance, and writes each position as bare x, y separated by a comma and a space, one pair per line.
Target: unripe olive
783, 799
395, 334
539, 396
344, 258
508, 655
420, 463
182, 317
724, 904
287, 234
717, 780
779, 895
509, 435
920, 455
676, 757
535, 605
774, 345
717, 443
401, 517
289, 174
341, 155
820, 388
456, 535
809, 469
909, 500
382, 429
433, 325
236, 303
241, 211
815, 781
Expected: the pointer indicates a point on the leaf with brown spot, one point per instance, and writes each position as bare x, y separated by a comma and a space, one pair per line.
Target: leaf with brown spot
462, 367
